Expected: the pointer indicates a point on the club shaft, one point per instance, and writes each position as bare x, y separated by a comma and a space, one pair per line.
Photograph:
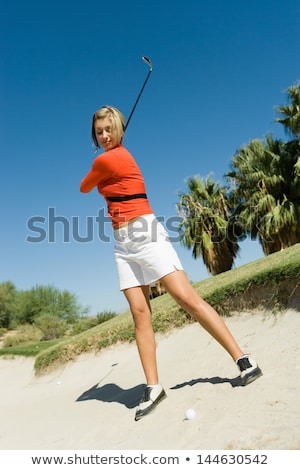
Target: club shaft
137, 100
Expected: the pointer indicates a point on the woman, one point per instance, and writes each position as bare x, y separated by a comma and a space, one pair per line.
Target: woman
145, 255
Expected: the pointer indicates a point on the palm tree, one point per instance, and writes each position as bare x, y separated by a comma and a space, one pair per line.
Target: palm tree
267, 194
291, 112
291, 122
207, 227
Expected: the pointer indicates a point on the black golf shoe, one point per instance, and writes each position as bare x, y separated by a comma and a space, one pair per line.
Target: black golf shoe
150, 399
249, 369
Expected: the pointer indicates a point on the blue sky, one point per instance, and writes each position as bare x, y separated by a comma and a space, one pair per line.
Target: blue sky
219, 70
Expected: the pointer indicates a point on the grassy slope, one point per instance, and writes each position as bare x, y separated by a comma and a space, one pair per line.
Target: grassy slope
268, 273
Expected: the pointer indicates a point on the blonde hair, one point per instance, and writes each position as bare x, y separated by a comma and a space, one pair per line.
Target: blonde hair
116, 118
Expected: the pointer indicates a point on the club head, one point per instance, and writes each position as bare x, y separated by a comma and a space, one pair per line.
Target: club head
148, 62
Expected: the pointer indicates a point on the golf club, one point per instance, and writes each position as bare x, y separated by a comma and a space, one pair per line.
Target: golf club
149, 63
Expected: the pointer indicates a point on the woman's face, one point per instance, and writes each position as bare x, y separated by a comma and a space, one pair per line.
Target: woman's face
106, 137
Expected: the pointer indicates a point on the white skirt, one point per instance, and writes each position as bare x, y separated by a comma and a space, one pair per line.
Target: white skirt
143, 252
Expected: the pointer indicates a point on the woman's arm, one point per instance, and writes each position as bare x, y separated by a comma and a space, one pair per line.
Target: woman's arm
101, 169
90, 180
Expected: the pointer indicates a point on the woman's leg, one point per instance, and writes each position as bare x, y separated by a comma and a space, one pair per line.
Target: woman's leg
179, 287
138, 299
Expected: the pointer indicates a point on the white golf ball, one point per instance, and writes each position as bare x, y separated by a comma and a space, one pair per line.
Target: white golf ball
190, 413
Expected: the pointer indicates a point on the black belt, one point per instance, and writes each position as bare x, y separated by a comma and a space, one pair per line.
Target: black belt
127, 198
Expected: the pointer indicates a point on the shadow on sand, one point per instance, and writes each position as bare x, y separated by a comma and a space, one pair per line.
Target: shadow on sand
236, 382
112, 393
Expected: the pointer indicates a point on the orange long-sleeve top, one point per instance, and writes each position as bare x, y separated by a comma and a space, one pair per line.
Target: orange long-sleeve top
116, 174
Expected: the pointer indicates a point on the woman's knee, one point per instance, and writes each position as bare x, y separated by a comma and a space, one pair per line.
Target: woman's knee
189, 303
141, 316
180, 288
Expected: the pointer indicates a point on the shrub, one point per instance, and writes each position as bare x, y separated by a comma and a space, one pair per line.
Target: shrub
104, 316
89, 322
24, 334
51, 326
2, 331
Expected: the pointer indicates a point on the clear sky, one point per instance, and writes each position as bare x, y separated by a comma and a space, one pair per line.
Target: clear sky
219, 69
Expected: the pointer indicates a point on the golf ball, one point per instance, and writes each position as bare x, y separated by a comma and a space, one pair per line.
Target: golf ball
190, 413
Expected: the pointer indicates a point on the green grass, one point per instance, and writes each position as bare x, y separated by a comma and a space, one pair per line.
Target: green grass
270, 282
270, 273
31, 349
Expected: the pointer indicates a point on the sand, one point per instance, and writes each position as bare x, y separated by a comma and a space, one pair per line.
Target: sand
90, 403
